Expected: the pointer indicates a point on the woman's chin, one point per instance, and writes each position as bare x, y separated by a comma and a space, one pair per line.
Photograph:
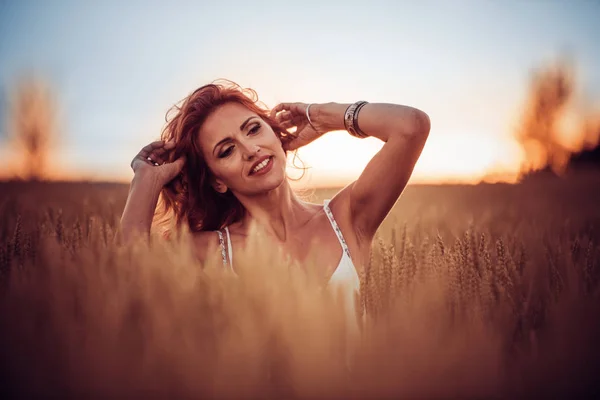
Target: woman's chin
273, 183
267, 183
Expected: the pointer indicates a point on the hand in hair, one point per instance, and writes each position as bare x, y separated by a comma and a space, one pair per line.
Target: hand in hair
151, 173
150, 163
293, 115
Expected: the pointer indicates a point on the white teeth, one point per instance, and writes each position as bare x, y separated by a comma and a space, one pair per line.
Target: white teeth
261, 165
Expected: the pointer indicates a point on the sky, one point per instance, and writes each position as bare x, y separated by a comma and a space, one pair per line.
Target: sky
116, 67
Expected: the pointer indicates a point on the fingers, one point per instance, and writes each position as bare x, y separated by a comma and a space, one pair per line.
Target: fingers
284, 116
152, 146
145, 160
158, 147
288, 119
154, 152
292, 108
173, 168
162, 150
154, 160
179, 163
160, 155
287, 124
280, 107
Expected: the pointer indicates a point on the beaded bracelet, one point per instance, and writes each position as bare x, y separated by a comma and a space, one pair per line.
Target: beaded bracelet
350, 119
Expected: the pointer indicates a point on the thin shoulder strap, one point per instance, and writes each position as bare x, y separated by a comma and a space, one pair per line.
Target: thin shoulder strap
336, 228
223, 249
229, 250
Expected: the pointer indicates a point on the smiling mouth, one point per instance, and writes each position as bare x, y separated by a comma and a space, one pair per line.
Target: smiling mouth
262, 165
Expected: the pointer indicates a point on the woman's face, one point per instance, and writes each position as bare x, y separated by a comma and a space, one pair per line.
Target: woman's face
242, 151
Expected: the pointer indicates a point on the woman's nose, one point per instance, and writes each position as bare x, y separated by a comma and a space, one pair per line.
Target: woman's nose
250, 152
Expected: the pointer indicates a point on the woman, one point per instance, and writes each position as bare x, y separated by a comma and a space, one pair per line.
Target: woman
220, 167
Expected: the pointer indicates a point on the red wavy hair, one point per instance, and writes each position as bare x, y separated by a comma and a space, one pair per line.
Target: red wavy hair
190, 197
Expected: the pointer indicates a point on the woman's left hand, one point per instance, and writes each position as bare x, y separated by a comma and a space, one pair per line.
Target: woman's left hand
291, 115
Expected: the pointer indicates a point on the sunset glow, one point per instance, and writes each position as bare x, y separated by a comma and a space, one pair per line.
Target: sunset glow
337, 159
471, 75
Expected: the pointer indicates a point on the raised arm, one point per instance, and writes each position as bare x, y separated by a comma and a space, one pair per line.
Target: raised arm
404, 130
151, 173
139, 208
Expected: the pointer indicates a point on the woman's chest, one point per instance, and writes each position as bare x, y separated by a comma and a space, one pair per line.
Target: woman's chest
316, 246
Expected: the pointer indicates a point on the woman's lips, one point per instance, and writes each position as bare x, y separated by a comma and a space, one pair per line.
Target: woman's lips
264, 169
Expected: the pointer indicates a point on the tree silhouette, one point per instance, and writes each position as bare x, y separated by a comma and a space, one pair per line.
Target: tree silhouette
551, 92
33, 126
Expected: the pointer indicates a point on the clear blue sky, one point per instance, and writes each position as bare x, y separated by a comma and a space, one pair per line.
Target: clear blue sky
116, 67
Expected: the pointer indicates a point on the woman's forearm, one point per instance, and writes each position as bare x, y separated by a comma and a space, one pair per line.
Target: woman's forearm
380, 120
140, 206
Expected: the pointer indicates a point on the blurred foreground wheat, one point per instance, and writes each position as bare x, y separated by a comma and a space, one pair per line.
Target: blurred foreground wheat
471, 292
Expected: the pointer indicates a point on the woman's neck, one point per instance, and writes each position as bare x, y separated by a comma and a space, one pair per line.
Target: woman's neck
278, 211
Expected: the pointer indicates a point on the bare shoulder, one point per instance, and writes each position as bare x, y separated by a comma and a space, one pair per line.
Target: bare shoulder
205, 245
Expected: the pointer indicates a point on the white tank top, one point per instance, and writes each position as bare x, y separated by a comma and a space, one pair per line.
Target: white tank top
345, 272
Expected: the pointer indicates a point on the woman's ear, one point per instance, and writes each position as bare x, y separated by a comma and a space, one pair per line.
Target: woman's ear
219, 186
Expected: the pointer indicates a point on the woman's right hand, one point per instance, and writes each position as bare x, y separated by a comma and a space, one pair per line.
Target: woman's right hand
150, 163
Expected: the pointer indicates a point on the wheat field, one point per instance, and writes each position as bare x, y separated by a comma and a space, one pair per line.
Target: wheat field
486, 291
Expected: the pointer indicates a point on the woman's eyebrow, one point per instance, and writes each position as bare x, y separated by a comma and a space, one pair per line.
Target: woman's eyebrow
243, 125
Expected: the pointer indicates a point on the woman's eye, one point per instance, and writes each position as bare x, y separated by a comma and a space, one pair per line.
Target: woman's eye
255, 129
226, 153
